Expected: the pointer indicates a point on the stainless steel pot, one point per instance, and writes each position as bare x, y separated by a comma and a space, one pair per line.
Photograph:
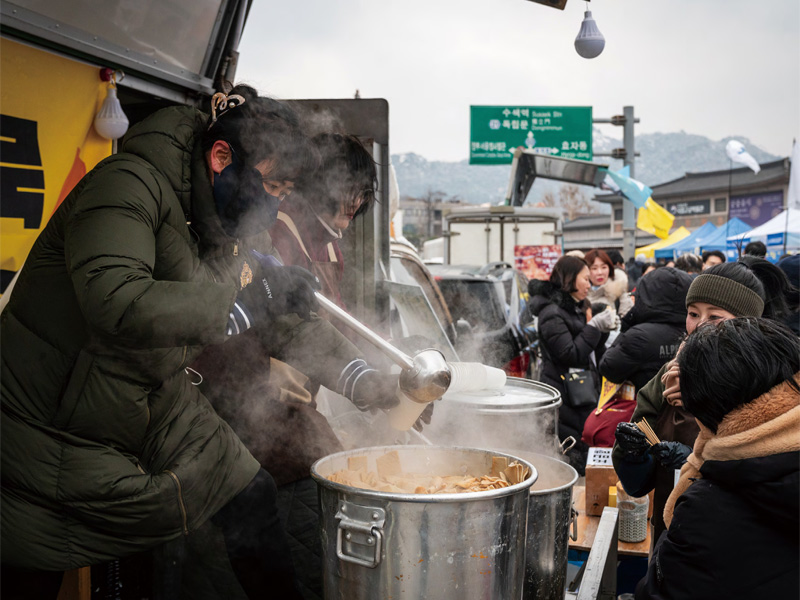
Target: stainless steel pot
523, 416
380, 545
549, 517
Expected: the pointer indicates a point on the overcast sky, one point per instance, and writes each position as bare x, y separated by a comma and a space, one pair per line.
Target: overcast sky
708, 67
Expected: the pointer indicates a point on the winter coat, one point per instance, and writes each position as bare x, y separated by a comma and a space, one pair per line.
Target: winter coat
651, 330
262, 382
734, 516
107, 447
319, 245
568, 343
671, 423
614, 292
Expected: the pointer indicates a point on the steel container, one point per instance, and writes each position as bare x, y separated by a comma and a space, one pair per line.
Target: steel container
549, 516
522, 416
390, 546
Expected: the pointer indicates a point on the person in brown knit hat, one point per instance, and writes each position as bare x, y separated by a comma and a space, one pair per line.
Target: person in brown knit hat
733, 515
750, 287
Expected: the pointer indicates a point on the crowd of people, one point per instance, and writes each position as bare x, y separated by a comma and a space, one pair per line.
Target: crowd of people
710, 350
177, 283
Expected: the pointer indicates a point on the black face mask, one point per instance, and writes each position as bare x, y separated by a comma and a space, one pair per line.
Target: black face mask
243, 205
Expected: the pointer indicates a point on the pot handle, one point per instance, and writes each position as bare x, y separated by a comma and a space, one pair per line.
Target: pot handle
567, 444
359, 537
574, 520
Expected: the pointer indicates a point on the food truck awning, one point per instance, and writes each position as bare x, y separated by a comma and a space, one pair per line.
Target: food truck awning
527, 165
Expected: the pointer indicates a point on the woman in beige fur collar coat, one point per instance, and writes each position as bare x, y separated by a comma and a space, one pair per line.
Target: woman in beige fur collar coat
609, 285
734, 516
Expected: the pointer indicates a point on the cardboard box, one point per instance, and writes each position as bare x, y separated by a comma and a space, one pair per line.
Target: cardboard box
600, 475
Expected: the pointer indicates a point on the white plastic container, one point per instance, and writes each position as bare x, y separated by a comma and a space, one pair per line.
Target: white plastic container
403, 416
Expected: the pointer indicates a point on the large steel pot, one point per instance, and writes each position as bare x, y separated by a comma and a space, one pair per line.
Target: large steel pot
522, 416
549, 516
381, 546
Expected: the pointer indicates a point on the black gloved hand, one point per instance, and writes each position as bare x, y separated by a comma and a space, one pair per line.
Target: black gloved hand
632, 440
671, 455
425, 417
366, 387
274, 291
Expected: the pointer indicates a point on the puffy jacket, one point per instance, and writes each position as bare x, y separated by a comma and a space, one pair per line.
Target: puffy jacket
568, 343
733, 536
651, 330
734, 529
107, 447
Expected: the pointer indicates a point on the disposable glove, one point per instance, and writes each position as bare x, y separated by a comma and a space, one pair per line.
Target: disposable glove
632, 440
274, 291
671, 455
366, 387
605, 321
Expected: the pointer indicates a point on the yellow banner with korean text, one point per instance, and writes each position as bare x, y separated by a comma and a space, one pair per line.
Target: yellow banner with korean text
47, 142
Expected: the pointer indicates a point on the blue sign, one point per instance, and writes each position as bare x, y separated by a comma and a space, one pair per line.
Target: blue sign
775, 239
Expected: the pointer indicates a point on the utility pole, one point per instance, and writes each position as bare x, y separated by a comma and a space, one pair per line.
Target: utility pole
628, 154
628, 209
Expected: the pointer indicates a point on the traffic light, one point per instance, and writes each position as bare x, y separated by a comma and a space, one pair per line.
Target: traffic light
559, 4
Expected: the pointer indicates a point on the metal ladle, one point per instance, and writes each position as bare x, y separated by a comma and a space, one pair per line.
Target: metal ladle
425, 377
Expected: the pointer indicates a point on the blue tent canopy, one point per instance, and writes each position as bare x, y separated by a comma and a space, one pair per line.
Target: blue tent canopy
690, 243
718, 239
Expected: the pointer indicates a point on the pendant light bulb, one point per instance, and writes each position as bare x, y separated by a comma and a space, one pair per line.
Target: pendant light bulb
111, 122
590, 42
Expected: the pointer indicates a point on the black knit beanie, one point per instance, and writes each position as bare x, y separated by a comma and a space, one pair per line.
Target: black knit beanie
734, 297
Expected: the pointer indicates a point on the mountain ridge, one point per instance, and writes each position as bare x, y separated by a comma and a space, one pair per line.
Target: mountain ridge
663, 157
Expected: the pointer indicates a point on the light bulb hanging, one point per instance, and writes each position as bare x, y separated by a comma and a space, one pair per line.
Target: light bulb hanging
111, 122
590, 42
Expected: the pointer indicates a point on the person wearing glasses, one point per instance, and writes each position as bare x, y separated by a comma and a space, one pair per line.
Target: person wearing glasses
308, 229
266, 390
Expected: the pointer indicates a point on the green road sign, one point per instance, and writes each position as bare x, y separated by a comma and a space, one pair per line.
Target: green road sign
495, 131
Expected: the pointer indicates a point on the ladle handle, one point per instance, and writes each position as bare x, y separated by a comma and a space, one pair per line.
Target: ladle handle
399, 357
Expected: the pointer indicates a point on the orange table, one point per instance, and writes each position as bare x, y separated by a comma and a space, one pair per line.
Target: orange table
587, 528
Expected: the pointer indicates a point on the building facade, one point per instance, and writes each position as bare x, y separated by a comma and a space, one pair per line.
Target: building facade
694, 199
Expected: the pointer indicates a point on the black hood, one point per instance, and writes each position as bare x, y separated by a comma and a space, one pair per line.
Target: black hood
661, 298
543, 293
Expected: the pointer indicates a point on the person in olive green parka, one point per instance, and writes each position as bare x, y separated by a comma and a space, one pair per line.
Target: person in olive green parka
107, 447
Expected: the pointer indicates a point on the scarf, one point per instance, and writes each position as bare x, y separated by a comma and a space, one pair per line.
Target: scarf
765, 426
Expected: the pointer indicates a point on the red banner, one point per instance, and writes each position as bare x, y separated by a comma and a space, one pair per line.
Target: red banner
536, 261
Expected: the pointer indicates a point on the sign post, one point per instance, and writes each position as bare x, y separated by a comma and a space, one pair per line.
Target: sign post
496, 131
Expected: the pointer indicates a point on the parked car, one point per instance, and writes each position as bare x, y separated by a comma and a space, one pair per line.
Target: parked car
490, 303
406, 268
515, 283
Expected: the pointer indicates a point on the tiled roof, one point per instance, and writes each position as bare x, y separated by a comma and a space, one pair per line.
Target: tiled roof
711, 182
719, 181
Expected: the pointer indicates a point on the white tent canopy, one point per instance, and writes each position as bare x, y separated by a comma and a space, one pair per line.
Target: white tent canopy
788, 221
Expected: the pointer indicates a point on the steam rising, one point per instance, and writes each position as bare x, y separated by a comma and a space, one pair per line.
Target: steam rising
261, 420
